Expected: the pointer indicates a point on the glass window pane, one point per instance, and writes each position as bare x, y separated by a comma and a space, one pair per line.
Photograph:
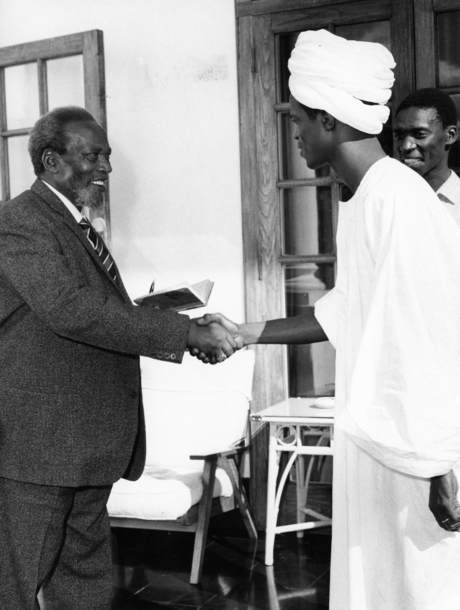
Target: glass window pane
448, 26
345, 193
308, 225
311, 367
21, 172
385, 137
286, 44
454, 154
65, 81
375, 31
456, 99
21, 85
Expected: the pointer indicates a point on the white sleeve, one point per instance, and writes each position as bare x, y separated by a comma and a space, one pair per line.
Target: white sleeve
329, 312
404, 401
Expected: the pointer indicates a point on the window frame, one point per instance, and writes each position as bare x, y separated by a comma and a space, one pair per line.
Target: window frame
259, 22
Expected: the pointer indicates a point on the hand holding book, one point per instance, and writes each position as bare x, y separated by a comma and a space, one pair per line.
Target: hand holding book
178, 298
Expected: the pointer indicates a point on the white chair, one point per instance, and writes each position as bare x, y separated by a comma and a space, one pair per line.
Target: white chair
196, 425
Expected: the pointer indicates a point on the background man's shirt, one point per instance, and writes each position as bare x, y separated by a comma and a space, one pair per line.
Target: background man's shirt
449, 193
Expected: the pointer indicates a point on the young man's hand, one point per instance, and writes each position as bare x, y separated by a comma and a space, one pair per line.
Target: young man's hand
443, 501
211, 342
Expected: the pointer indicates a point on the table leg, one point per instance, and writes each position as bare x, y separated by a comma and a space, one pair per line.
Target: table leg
300, 489
272, 515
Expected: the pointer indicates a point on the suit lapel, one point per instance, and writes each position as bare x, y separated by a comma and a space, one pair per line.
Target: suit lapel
55, 205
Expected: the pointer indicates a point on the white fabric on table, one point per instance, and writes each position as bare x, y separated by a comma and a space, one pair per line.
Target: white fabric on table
394, 317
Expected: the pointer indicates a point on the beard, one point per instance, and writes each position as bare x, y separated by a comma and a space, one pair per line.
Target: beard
91, 197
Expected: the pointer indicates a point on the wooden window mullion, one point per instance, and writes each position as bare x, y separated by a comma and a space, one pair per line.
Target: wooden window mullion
4, 139
42, 74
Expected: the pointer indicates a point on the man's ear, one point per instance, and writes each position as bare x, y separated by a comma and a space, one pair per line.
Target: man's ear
328, 121
51, 160
450, 134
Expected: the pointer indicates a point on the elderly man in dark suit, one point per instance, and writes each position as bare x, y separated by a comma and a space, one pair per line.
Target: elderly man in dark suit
71, 416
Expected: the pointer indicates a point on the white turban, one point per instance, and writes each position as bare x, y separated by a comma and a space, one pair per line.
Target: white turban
331, 73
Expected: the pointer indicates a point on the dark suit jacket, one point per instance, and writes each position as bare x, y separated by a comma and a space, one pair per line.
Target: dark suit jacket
70, 339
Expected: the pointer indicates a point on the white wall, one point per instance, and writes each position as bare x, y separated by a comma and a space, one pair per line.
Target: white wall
173, 127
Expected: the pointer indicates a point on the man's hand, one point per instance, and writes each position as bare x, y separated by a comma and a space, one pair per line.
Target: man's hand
443, 501
231, 328
211, 342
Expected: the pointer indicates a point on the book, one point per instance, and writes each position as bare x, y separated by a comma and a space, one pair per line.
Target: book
180, 297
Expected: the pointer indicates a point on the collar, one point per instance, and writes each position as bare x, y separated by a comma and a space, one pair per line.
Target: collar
449, 191
68, 204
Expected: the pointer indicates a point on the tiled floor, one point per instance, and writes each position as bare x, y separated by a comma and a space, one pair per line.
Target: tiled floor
152, 571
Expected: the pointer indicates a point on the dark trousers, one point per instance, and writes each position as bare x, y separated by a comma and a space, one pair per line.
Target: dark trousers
56, 539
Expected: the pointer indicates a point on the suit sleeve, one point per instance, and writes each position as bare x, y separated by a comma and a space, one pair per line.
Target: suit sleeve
33, 263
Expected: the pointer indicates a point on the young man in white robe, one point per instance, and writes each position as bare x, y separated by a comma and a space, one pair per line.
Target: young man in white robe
394, 318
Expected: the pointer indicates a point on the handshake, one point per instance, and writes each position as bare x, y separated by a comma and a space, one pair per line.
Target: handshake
213, 338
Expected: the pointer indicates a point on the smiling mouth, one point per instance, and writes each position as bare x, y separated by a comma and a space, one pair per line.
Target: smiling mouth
99, 183
412, 161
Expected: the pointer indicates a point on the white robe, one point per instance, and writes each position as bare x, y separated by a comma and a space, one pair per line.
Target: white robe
394, 317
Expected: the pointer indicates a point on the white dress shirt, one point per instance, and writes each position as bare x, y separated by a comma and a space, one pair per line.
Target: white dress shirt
449, 193
68, 204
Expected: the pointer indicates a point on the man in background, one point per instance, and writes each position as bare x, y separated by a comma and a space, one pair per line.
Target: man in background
71, 415
425, 130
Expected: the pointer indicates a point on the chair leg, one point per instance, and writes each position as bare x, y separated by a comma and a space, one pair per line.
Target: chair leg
228, 464
204, 513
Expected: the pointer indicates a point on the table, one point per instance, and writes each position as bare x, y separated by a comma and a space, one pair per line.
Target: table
291, 422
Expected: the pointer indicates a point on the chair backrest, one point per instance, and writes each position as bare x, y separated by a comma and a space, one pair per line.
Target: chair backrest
195, 408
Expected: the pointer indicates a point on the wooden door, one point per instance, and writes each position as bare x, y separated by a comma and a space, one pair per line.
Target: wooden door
289, 211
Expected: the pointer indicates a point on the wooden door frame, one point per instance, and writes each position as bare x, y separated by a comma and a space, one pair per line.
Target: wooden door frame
257, 23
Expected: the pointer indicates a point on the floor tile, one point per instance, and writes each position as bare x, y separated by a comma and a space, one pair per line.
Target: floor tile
234, 578
124, 600
152, 569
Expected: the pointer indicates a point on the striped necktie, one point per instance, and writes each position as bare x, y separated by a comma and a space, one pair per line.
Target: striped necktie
99, 246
